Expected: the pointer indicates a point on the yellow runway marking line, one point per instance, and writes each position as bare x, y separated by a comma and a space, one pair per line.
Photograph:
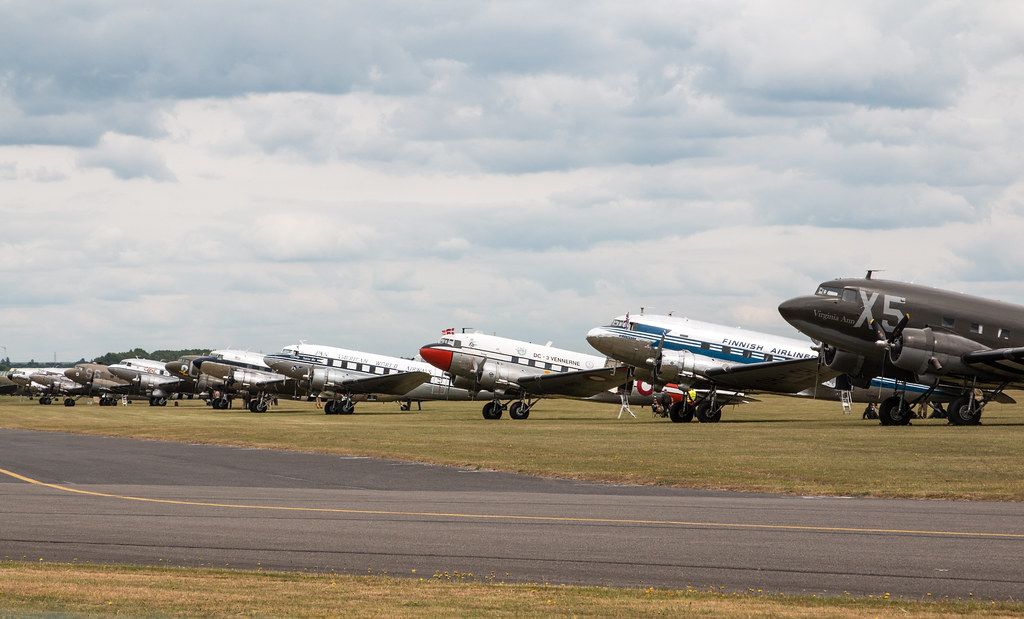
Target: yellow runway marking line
329, 510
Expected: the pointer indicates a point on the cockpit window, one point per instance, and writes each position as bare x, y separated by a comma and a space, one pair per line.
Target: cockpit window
829, 291
849, 295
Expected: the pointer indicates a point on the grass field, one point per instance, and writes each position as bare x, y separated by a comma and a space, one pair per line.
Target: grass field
90, 590
777, 445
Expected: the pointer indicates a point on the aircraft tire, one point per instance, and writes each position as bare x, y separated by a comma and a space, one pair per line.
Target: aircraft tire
679, 412
69, 402
708, 413
894, 411
44, 400
161, 401
492, 410
329, 407
518, 410
964, 411
346, 408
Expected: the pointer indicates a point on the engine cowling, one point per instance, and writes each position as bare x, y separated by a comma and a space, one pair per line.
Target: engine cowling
674, 366
325, 380
842, 361
927, 352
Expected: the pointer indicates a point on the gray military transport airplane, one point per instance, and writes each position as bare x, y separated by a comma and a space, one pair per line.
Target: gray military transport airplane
872, 327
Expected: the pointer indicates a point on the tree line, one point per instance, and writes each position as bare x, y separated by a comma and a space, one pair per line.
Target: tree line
109, 358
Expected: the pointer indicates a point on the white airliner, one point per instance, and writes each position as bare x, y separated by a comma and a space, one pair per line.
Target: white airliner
520, 372
667, 349
148, 377
345, 376
230, 373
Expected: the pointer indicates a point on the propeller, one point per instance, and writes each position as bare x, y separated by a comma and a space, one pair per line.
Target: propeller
659, 359
886, 340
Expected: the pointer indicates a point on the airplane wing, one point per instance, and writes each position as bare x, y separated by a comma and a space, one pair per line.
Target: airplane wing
1003, 361
789, 376
582, 384
395, 384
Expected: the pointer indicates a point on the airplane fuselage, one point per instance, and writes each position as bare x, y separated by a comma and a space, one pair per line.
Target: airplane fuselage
942, 329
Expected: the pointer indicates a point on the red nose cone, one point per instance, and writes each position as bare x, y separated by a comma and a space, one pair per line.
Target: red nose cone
437, 357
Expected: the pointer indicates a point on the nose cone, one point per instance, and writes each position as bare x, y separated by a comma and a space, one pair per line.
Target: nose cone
788, 308
437, 356
796, 310
285, 364
73, 373
600, 338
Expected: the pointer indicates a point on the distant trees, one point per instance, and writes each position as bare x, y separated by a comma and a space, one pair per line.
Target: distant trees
158, 355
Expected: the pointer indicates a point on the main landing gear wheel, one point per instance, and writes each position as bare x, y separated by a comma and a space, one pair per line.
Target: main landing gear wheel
680, 412
709, 412
44, 400
964, 411
894, 411
220, 404
257, 406
69, 401
339, 407
519, 410
492, 410
158, 401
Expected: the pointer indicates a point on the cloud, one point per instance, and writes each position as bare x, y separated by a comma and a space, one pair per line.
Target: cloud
366, 174
128, 158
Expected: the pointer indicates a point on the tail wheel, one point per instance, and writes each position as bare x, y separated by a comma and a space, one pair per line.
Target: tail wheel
964, 411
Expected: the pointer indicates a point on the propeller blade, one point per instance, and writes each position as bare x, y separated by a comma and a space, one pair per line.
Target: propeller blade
880, 334
899, 328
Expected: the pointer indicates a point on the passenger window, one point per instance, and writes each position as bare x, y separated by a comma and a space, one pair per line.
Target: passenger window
768, 357
976, 328
1004, 334
948, 322
850, 295
726, 350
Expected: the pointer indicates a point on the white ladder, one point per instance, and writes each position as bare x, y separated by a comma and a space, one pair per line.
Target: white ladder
847, 399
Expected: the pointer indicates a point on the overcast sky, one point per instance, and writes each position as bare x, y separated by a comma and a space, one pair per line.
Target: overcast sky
250, 174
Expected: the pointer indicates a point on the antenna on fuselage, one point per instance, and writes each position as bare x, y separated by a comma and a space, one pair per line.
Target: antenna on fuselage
872, 271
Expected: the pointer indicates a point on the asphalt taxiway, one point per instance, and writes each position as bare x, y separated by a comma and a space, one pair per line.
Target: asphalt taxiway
67, 497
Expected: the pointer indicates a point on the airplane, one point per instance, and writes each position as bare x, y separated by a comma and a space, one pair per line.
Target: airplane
8, 386
97, 379
873, 327
665, 348
148, 377
46, 382
346, 376
229, 373
521, 372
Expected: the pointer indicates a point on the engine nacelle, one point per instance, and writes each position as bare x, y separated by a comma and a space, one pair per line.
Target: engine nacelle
842, 361
326, 380
496, 376
936, 353
674, 366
